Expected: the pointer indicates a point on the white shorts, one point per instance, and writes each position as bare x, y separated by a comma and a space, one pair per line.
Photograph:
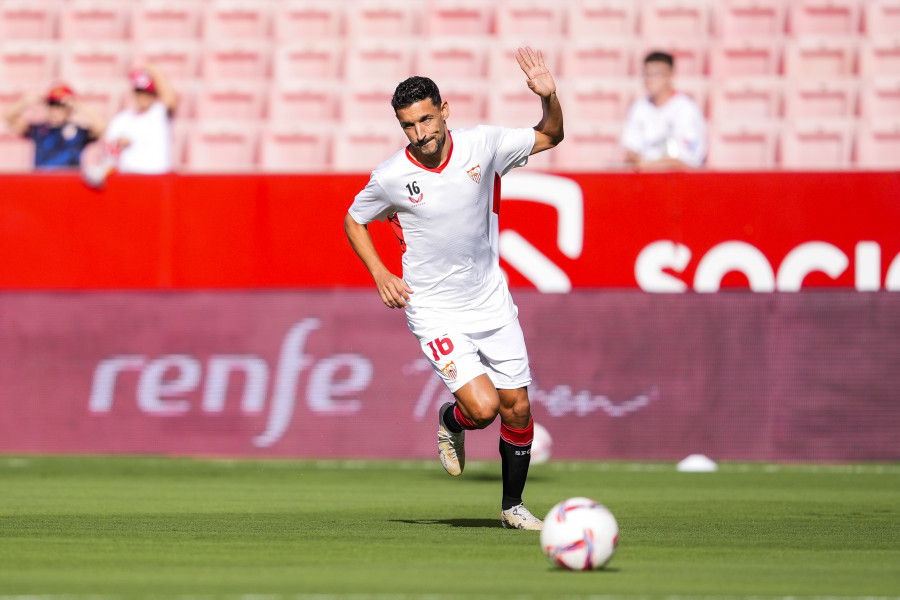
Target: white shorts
458, 358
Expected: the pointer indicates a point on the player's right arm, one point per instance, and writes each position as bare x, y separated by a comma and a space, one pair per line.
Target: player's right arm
13, 114
393, 291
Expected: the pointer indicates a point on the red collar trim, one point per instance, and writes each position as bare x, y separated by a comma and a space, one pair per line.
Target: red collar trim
441, 166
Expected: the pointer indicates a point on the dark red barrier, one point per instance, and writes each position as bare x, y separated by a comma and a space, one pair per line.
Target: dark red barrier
619, 375
658, 232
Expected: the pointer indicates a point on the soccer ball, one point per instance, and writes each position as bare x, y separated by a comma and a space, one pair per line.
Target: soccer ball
579, 534
540, 445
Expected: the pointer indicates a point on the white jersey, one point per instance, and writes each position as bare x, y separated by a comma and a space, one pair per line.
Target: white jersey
676, 129
150, 139
449, 221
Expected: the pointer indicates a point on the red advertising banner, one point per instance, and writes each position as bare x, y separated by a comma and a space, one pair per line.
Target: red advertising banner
664, 232
333, 373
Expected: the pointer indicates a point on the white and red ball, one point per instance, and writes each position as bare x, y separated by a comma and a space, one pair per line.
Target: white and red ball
541, 445
579, 534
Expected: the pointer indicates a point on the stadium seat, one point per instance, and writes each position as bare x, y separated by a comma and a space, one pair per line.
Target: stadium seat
362, 146
524, 19
691, 56
95, 61
395, 19
741, 99
590, 147
366, 99
297, 20
749, 18
695, 87
295, 149
881, 17
179, 59
453, 58
825, 98
879, 57
456, 18
245, 100
380, 59
246, 59
750, 57
467, 100
601, 18
878, 144
817, 144
302, 101
599, 59
675, 19
167, 19
95, 20
606, 99
824, 17
743, 146
222, 147
229, 20
31, 64
316, 60
104, 98
512, 104
29, 19
822, 57
16, 153
502, 63
880, 98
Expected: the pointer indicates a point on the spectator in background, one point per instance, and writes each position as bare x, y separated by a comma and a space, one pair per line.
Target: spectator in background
665, 129
60, 138
142, 135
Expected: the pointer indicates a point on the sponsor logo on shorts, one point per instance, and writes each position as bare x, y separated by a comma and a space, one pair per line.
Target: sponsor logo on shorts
450, 371
475, 173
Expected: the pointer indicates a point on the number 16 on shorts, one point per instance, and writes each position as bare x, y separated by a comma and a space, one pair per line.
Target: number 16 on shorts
438, 351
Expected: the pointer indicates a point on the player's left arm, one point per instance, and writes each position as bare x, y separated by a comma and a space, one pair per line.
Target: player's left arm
549, 131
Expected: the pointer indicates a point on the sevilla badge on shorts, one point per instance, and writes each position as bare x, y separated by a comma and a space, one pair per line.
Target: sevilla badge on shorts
475, 173
450, 371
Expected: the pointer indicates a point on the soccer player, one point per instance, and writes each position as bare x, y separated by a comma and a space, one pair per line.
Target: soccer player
442, 195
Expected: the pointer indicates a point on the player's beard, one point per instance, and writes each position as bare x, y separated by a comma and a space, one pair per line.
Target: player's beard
439, 142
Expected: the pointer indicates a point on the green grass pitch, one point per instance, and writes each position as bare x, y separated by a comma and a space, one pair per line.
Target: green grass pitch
79, 528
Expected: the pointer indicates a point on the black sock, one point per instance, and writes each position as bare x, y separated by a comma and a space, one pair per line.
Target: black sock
450, 421
514, 462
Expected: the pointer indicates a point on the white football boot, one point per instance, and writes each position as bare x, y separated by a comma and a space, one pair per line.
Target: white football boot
518, 517
451, 446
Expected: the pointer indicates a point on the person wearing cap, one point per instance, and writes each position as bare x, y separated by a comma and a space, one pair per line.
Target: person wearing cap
142, 133
62, 135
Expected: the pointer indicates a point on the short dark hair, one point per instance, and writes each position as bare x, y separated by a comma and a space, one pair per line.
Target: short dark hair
415, 89
663, 57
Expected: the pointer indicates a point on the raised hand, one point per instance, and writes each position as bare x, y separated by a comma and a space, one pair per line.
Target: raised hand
540, 81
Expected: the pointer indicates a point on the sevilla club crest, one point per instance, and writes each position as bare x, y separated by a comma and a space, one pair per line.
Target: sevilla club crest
475, 173
450, 371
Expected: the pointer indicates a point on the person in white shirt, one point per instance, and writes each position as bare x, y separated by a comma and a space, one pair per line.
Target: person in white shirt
142, 134
665, 129
442, 194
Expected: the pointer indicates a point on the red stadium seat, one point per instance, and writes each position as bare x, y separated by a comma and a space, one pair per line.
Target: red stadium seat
741, 99
749, 18
366, 99
599, 59
95, 61
467, 100
822, 57
295, 149
882, 17
675, 19
523, 19
302, 101
297, 20
697, 88
379, 58
502, 63
245, 100
315, 60
16, 153
237, 60
590, 100
590, 147
453, 58
751, 57
606, 18
222, 147
879, 57
824, 17
229, 20
31, 64
880, 98
512, 104
878, 144
395, 19
458, 18
743, 146
179, 59
826, 98
362, 146
29, 19
104, 98
167, 19
96, 20
817, 144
